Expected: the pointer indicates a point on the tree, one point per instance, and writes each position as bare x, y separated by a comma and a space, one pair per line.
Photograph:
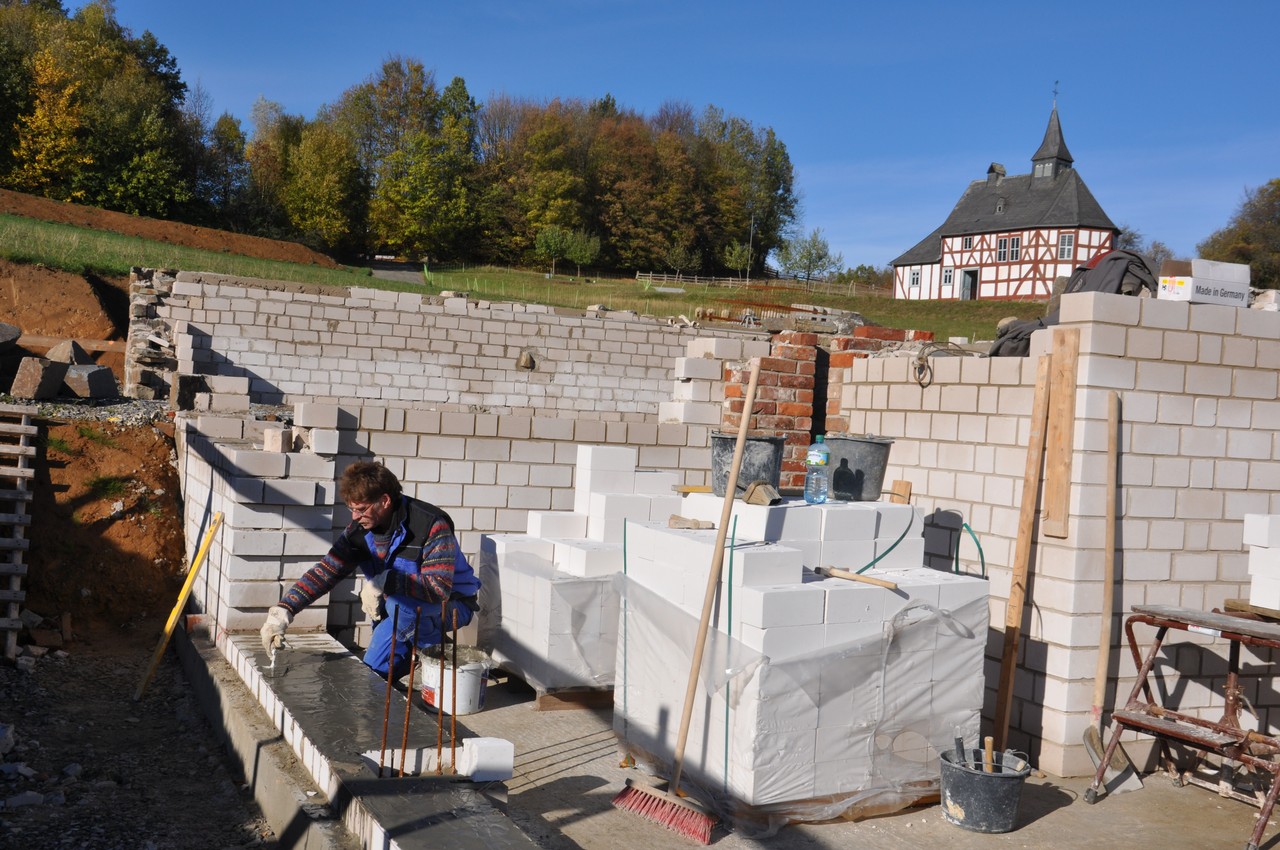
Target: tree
48, 152
737, 256
807, 257
583, 249
1131, 239
323, 194
552, 243
681, 256
1252, 236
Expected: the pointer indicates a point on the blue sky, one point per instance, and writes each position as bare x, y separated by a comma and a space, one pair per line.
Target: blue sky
888, 109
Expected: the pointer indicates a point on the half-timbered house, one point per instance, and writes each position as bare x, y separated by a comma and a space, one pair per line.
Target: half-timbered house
1010, 237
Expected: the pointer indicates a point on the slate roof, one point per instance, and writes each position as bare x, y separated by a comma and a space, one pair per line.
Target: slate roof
1029, 203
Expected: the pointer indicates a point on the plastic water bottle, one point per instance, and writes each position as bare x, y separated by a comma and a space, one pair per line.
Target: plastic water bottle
817, 462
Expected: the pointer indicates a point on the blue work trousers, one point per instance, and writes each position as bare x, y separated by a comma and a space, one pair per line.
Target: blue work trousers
378, 653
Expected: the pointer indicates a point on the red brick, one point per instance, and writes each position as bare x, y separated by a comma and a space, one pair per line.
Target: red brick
842, 359
796, 338
795, 409
873, 332
776, 365
920, 336
795, 352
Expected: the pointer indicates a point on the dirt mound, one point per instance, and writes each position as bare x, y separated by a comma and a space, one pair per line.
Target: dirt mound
187, 235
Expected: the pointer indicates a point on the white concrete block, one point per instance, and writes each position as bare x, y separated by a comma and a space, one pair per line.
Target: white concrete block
1262, 530
782, 642
766, 607
850, 555
590, 481
656, 482
907, 554
849, 520
587, 558
620, 458
325, 441
852, 602
1264, 592
557, 524
1264, 561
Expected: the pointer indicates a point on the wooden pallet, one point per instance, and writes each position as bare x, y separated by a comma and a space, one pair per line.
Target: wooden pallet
17, 462
572, 699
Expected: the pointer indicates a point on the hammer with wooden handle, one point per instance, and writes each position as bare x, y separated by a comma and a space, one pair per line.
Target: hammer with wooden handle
835, 572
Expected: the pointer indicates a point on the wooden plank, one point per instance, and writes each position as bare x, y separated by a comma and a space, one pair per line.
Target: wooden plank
15, 495
36, 342
7, 543
13, 570
18, 409
17, 451
16, 472
573, 699
1061, 434
12, 595
18, 430
1245, 606
1022, 551
900, 492
15, 519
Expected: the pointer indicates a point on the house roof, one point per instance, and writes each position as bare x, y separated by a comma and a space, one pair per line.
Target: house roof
1021, 202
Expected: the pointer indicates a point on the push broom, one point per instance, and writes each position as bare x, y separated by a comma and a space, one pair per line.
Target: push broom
663, 803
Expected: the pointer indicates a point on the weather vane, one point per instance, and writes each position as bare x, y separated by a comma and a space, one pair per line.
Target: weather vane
1055, 94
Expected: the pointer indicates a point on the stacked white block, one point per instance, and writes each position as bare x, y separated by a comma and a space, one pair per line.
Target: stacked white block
847, 535
1262, 536
553, 629
277, 522
812, 687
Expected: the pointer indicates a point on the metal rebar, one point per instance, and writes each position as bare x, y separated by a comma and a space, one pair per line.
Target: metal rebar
408, 697
453, 697
386, 709
444, 604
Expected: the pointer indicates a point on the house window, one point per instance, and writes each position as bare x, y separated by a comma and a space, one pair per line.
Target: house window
1002, 249
1015, 247
967, 244
948, 276
1066, 246
915, 278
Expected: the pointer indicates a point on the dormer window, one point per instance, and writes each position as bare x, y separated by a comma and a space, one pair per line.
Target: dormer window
999, 206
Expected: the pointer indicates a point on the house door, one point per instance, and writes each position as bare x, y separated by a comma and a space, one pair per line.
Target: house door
969, 285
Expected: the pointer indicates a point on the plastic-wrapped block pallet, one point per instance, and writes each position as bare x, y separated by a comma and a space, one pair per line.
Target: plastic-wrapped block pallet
552, 629
859, 713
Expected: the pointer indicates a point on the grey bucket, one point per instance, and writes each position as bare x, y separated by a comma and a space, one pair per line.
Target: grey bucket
981, 801
857, 466
761, 461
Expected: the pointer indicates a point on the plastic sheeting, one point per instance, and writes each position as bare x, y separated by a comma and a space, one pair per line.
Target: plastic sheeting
847, 731
553, 630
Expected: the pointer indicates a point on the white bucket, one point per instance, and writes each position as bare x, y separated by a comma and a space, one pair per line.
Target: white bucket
472, 676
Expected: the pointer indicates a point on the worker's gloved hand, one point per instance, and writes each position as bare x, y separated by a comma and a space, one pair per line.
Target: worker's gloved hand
278, 620
370, 596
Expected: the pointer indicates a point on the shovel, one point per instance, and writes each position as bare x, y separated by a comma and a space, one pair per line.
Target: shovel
1119, 775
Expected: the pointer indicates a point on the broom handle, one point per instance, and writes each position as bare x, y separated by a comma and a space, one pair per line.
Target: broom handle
713, 577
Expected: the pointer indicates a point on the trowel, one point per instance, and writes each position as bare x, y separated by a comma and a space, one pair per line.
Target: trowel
274, 669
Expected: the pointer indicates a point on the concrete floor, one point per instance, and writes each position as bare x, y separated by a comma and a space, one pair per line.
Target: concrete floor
567, 774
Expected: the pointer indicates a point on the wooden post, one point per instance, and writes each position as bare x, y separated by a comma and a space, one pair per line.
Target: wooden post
1022, 551
1061, 432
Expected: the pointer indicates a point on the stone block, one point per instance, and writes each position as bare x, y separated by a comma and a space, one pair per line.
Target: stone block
90, 382
69, 352
38, 378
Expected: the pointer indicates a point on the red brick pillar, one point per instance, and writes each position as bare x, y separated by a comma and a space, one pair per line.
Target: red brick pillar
784, 400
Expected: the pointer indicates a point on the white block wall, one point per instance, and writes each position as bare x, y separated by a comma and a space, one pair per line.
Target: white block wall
1198, 448
403, 350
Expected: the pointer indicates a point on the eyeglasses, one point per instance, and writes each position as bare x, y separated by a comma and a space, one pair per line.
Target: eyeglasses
363, 510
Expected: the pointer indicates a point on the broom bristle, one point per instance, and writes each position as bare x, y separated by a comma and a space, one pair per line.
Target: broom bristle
653, 804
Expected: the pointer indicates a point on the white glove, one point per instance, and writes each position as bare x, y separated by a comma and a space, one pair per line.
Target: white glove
370, 596
278, 619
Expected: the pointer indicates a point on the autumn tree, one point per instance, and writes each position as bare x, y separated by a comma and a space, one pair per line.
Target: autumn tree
323, 193
48, 151
1251, 237
737, 256
552, 243
583, 249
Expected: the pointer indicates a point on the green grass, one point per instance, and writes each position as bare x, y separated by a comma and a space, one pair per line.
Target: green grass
85, 251
108, 486
57, 444
972, 319
93, 435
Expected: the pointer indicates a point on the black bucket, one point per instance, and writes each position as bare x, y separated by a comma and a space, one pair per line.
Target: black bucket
981, 801
857, 466
761, 461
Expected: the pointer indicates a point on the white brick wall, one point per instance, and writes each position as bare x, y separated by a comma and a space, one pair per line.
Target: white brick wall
1199, 450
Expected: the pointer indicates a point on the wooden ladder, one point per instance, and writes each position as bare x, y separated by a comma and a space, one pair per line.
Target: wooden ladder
17, 455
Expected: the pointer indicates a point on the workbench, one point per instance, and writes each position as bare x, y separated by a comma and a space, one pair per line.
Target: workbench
1226, 738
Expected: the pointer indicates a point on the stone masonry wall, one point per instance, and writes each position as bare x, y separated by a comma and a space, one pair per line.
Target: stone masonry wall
1199, 449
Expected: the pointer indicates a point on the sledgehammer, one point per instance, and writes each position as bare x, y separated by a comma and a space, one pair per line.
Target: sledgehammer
834, 572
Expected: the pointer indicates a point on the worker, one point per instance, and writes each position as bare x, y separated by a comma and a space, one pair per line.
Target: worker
411, 561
